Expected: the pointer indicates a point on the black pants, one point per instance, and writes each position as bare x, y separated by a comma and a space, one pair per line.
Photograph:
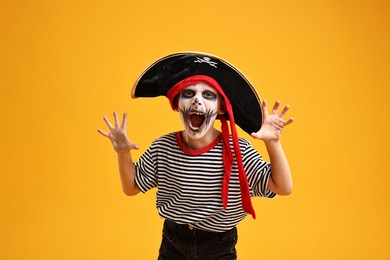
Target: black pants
182, 242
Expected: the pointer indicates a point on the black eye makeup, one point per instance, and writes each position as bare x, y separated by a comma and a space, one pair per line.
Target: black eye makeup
206, 94
187, 93
209, 95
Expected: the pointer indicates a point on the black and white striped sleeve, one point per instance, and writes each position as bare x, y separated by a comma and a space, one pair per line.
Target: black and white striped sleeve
146, 173
258, 172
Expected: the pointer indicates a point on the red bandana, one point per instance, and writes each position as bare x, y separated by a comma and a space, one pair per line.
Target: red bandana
227, 152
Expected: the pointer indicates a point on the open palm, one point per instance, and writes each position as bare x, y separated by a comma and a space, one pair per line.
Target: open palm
273, 123
117, 134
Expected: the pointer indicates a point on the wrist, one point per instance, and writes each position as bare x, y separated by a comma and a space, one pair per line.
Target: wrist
123, 153
272, 142
273, 146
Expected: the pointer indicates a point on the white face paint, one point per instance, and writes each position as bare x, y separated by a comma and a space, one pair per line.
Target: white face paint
198, 105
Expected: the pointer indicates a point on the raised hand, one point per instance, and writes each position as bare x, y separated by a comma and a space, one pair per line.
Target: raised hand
117, 134
273, 124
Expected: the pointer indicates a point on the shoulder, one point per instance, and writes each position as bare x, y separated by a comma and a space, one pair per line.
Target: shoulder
166, 137
165, 140
242, 142
247, 150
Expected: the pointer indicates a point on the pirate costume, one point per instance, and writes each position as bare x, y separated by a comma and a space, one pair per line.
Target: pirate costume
203, 194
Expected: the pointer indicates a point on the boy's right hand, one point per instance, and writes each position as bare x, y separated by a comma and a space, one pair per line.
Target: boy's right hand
117, 134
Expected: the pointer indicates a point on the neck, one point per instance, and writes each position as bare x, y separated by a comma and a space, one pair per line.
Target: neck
195, 144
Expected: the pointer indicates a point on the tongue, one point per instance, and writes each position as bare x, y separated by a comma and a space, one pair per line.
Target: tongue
196, 120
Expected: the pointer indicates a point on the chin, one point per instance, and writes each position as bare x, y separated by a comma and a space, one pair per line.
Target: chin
194, 135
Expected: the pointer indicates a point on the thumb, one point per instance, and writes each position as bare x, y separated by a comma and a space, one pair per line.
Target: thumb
134, 146
255, 135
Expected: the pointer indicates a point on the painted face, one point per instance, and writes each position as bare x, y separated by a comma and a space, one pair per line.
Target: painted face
198, 105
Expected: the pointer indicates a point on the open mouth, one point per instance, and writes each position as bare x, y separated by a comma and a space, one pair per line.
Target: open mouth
195, 120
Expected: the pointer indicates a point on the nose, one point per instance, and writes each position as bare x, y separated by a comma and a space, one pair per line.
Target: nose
196, 101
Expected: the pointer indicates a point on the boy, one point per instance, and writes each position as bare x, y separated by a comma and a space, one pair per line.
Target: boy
205, 177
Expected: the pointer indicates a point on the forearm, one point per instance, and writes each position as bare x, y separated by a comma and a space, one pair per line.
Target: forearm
280, 181
127, 174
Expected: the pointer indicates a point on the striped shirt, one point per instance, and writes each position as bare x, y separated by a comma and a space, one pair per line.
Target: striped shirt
189, 182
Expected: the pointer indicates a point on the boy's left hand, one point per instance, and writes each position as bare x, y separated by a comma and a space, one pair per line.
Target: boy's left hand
273, 124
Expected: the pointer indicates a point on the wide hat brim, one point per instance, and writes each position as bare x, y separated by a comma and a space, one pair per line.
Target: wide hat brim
163, 74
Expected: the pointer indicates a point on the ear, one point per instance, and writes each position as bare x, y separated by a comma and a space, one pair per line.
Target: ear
222, 109
176, 103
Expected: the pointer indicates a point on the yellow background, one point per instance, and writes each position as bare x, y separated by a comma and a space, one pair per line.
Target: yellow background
65, 64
